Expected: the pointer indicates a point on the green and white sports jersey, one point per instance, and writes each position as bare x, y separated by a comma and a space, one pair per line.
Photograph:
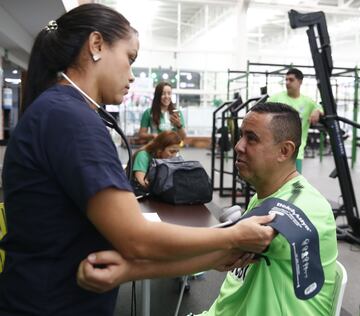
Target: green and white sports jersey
165, 125
259, 289
305, 106
142, 161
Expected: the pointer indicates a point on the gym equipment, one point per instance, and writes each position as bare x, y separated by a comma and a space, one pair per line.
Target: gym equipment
319, 42
230, 114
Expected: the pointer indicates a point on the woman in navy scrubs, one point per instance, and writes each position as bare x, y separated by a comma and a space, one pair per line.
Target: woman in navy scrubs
66, 194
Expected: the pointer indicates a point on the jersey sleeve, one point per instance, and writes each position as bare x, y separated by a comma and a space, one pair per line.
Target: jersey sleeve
146, 119
273, 98
141, 161
319, 107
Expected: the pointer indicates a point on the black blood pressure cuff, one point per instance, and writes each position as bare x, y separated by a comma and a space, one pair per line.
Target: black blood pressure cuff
294, 225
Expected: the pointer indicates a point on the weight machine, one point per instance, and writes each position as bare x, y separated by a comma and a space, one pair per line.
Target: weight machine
319, 42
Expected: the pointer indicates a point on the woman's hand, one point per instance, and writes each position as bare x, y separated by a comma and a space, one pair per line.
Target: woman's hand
175, 120
254, 236
102, 271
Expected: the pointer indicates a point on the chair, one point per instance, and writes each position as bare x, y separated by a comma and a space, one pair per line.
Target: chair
2, 234
339, 290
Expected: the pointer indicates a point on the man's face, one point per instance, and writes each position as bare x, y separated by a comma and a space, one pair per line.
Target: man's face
292, 84
256, 151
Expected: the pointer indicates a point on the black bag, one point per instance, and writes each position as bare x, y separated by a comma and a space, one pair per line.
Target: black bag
177, 181
139, 190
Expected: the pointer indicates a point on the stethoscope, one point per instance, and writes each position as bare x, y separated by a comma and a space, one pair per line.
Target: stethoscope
108, 119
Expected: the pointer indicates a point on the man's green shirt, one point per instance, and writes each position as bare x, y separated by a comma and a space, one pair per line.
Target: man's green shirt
259, 289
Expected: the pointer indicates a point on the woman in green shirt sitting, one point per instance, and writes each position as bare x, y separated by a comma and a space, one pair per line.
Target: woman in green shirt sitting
162, 115
164, 145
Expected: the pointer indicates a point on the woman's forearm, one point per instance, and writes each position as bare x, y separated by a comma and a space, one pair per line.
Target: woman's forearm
182, 133
117, 215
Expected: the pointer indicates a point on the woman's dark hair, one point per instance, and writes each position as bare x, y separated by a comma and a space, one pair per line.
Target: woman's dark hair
156, 103
285, 123
58, 45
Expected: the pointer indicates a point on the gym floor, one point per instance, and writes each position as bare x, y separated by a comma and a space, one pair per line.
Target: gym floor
204, 289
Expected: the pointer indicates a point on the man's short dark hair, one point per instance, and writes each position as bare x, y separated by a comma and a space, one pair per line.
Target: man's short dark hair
285, 123
296, 72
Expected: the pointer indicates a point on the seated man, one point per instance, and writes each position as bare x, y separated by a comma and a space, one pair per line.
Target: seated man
266, 154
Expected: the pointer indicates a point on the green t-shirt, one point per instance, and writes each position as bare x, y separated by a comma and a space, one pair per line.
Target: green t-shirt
165, 124
305, 106
258, 289
141, 161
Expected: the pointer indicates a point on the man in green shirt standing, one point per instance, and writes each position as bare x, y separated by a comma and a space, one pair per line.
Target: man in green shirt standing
266, 154
309, 111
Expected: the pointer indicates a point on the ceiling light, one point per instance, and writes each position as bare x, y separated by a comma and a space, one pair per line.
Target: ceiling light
12, 80
139, 19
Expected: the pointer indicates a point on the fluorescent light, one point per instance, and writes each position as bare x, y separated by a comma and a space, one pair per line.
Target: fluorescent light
140, 13
12, 80
70, 4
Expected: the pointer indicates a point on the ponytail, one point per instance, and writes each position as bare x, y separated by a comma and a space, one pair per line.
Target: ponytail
58, 46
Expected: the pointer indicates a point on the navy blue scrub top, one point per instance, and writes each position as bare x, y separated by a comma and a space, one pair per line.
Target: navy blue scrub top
58, 157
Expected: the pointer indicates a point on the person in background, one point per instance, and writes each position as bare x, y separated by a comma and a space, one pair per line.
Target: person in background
165, 145
66, 194
162, 115
309, 111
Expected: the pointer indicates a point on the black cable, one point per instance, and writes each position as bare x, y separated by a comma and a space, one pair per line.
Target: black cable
133, 299
110, 121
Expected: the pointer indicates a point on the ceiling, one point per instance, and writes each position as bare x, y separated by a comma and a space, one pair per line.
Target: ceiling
165, 20
267, 20
180, 21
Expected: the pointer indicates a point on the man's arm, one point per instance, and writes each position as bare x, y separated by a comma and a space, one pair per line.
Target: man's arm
116, 270
315, 116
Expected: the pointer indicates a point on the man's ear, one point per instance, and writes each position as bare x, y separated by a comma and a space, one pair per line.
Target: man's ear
95, 43
287, 149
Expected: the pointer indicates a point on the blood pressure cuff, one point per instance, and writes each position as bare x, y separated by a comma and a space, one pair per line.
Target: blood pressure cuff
294, 225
